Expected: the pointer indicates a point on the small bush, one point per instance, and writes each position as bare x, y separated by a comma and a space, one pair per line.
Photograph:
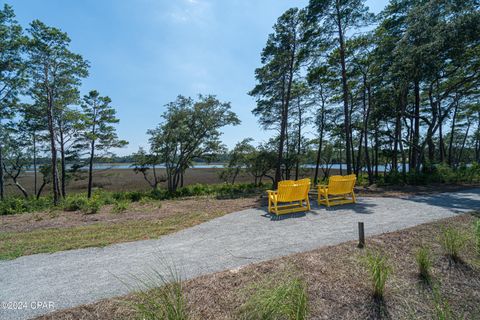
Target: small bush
134, 196
16, 205
120, 206
379, 269
424, 262
74, 203
92, 206
162, 299
452, 242
285, 300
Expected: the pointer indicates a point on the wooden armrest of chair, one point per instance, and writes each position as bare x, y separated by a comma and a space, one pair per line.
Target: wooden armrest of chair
322, 186
272, 191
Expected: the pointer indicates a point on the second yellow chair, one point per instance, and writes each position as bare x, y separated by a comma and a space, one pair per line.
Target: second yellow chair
338, 191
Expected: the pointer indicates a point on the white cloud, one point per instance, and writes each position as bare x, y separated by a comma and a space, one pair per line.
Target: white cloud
190, 11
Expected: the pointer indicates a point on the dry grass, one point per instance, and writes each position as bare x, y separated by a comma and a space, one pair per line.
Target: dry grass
337, 282
127, 180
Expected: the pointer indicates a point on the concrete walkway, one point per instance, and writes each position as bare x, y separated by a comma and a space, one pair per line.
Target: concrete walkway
71, 278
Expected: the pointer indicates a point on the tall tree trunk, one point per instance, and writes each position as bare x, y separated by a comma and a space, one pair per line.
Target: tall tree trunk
346, 109
62, 165
299, 141
53, 149
281, 142
440, 142
414, 162
452, 135
35, 182
460, 154
320, 143
285, 108
404, 161
90, 168
365, 132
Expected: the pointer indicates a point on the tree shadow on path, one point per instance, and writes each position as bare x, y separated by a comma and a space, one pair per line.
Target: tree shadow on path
460, 201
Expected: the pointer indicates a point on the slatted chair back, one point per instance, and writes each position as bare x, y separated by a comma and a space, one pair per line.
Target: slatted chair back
341, 184
290, 190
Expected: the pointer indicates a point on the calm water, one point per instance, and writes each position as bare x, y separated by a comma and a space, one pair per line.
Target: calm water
128, 166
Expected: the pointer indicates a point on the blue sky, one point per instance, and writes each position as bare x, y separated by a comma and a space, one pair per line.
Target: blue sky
144, 53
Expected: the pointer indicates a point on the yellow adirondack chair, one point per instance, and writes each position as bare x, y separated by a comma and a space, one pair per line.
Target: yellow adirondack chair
338, 191
291, 196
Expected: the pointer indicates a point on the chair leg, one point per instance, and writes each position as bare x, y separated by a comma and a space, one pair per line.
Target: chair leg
353, 197
308, 203
326, 200
269, 205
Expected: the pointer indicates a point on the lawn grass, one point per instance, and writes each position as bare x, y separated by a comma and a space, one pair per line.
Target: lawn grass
17, 244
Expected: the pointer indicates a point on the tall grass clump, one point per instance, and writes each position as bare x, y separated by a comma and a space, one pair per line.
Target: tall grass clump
286, 299
476, 229
379, 269
442, 307
424, 262
161, 297
452, 241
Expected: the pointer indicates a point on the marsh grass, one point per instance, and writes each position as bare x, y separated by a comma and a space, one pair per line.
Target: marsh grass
284, 298
452, 241
379, 269
423, 258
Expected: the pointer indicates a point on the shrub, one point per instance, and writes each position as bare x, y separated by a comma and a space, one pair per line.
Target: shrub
16, 205
120, 206
286, 300
452, 242
103, 196
74, 203
424, 262
92, 206
379, 269
162, 299
134, 196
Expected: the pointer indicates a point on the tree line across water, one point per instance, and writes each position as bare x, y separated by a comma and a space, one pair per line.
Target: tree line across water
399, 89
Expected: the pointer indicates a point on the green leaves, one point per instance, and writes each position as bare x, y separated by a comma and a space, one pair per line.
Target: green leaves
190, 129
98, 119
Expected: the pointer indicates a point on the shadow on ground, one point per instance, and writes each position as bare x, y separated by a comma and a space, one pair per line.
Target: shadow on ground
460, 201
